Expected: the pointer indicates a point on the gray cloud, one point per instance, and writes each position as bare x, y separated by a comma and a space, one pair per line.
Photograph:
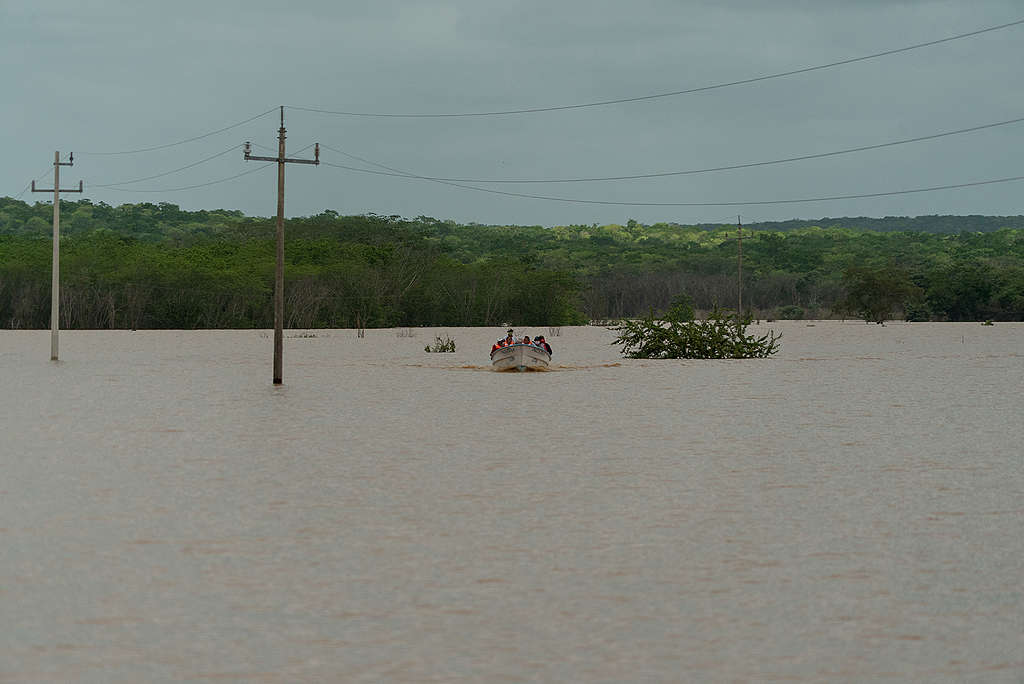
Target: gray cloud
108, 76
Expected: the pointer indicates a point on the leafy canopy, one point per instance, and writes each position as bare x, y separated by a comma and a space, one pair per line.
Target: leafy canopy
678, 335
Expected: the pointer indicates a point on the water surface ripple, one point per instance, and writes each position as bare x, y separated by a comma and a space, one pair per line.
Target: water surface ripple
849, 510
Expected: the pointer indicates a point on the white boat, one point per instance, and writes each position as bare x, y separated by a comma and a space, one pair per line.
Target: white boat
520, 357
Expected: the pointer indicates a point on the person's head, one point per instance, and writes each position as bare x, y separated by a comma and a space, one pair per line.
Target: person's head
526, 338
539, 338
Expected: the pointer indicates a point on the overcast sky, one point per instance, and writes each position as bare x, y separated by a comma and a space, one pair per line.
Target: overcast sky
93, 77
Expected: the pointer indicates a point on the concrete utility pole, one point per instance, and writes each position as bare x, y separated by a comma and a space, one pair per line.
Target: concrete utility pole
55, 287
279, 271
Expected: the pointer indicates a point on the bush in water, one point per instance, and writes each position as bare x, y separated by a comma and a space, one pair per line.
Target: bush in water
441, 344
721, 336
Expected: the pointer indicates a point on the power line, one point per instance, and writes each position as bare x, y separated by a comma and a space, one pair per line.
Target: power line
167, 173
189, 166
665, 174
262, 147
393, 171
113, 186
829, 198
300, 151
22, 193
192, 187
761, 202
187, 140
602, 103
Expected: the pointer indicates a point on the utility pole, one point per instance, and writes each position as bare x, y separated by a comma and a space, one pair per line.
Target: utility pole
739, 264
279, 271
55, 286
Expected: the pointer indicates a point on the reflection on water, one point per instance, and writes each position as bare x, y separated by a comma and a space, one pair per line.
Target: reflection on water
847, 510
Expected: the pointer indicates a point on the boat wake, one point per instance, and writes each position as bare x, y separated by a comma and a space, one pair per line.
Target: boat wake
491, 369
612, 364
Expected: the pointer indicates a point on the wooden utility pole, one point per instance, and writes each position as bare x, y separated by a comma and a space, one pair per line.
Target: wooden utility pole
739, 264
55, 286
279, 271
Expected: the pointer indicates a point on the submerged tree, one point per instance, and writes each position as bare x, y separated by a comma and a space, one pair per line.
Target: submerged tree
722, 335
873, 293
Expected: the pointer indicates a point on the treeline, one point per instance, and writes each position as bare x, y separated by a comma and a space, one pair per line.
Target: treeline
889, 224
164, 221
157, 266
823, 273
113, 281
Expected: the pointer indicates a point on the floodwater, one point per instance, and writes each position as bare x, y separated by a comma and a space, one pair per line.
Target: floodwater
851, 509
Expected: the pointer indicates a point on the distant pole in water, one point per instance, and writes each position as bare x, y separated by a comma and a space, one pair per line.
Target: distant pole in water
279, 270
739, 276
55, 285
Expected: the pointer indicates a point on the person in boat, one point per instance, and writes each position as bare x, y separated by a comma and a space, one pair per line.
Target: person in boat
541, 342
526, 339
506, 341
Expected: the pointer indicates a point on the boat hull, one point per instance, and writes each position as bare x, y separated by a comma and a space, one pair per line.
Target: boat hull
520, 357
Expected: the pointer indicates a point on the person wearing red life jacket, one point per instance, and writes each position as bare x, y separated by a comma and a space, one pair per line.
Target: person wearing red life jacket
506, 341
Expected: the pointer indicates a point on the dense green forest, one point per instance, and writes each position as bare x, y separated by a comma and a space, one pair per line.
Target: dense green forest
157, 266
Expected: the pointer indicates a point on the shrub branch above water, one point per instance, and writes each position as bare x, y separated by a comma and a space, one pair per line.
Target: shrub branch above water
722, 335
441, 345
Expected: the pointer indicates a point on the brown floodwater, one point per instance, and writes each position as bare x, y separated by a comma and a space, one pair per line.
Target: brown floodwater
848, 510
